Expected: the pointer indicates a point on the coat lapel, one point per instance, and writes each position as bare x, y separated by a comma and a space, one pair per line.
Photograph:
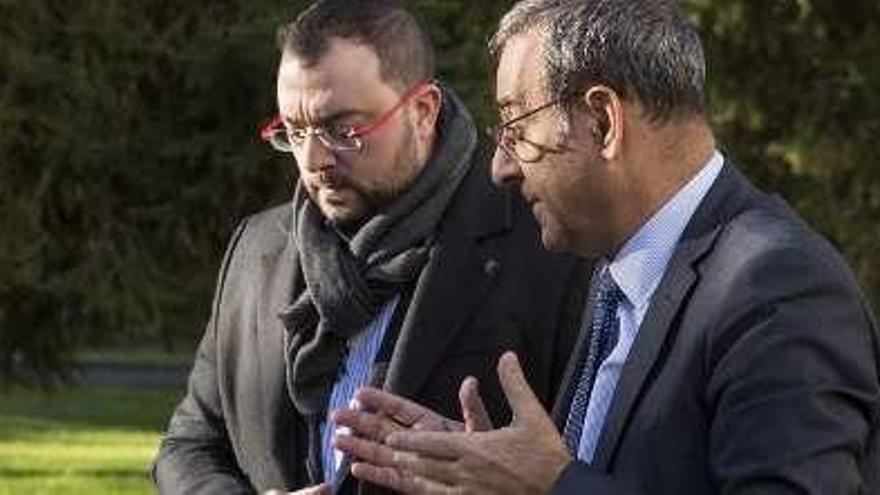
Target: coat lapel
654, 330
282, 268
281, 273
457, 278
725, 197
455, 281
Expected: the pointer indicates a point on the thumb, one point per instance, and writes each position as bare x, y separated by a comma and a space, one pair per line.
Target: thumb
472, 407
525, 406
322, 489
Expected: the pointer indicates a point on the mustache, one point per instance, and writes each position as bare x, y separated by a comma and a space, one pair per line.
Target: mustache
331, 178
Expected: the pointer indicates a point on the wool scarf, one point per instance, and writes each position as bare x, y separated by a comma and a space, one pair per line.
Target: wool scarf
347, 281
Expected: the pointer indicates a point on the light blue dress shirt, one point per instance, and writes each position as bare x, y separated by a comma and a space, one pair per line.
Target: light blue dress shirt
355, 373
637, 269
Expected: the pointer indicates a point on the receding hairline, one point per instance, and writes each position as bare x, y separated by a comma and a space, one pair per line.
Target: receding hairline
524, 96
313, 59
397, 38
677, 89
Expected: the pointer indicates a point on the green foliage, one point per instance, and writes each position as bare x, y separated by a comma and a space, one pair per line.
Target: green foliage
128, 145
460, 31
795, 95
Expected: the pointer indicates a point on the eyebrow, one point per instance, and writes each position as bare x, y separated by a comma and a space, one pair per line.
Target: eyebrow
513, 99
505, 102
337, 115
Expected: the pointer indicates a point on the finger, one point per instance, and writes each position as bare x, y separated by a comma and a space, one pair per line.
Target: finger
404, 411
476, 418
439, 445
423, 486
522, 400
437, 470
322, 489
386, 477
438, 423
366, 450
366, 424
398, 481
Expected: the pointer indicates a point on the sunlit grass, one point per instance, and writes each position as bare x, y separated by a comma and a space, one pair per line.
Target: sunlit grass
80, 440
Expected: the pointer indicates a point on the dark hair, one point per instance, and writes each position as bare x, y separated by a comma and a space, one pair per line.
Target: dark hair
643, 49
404, 50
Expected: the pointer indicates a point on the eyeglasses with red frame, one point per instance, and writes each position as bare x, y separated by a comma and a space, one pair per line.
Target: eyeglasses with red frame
335, 137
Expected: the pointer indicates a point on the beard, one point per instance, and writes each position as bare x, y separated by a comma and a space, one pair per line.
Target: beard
348, 203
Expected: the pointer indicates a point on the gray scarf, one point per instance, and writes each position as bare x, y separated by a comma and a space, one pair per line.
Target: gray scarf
348, 281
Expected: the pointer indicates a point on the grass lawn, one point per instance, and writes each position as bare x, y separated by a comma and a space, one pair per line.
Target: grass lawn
138, 354
80, 440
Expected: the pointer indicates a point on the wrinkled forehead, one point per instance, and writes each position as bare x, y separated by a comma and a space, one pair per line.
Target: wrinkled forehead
345, 78
519, 80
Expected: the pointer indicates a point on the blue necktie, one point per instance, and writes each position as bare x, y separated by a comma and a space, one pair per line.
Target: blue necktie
603, 336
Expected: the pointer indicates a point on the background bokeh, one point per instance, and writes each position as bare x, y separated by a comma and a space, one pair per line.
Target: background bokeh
129, 150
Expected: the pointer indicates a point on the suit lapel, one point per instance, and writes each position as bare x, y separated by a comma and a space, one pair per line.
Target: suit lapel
283, 268
657, 329
456, 279
454, 282
654, 330
280, 272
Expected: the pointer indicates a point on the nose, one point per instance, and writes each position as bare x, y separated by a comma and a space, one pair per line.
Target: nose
315, 155
505, 168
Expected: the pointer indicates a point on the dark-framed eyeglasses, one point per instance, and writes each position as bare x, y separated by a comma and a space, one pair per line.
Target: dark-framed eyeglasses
334, 137
511, 139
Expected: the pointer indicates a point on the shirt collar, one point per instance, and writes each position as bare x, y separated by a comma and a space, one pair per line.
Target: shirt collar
641, 262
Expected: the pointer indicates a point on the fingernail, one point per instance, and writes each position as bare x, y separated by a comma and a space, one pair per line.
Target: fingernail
510, 357
473, 383
339, 437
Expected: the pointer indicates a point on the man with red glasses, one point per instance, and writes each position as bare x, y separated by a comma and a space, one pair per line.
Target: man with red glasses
397, 263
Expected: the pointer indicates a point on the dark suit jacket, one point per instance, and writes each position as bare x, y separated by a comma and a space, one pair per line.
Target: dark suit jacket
488, 287
755, 369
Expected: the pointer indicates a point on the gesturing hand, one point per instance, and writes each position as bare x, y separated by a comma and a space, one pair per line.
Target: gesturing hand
381, 413
524, 457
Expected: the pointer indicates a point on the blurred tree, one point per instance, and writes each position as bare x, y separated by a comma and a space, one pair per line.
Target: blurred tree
795, 96
128, 145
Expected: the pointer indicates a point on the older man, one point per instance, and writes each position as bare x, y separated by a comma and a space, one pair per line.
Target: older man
726, 347
397, 263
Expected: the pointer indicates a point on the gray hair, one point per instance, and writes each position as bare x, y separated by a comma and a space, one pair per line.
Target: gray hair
644, 50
